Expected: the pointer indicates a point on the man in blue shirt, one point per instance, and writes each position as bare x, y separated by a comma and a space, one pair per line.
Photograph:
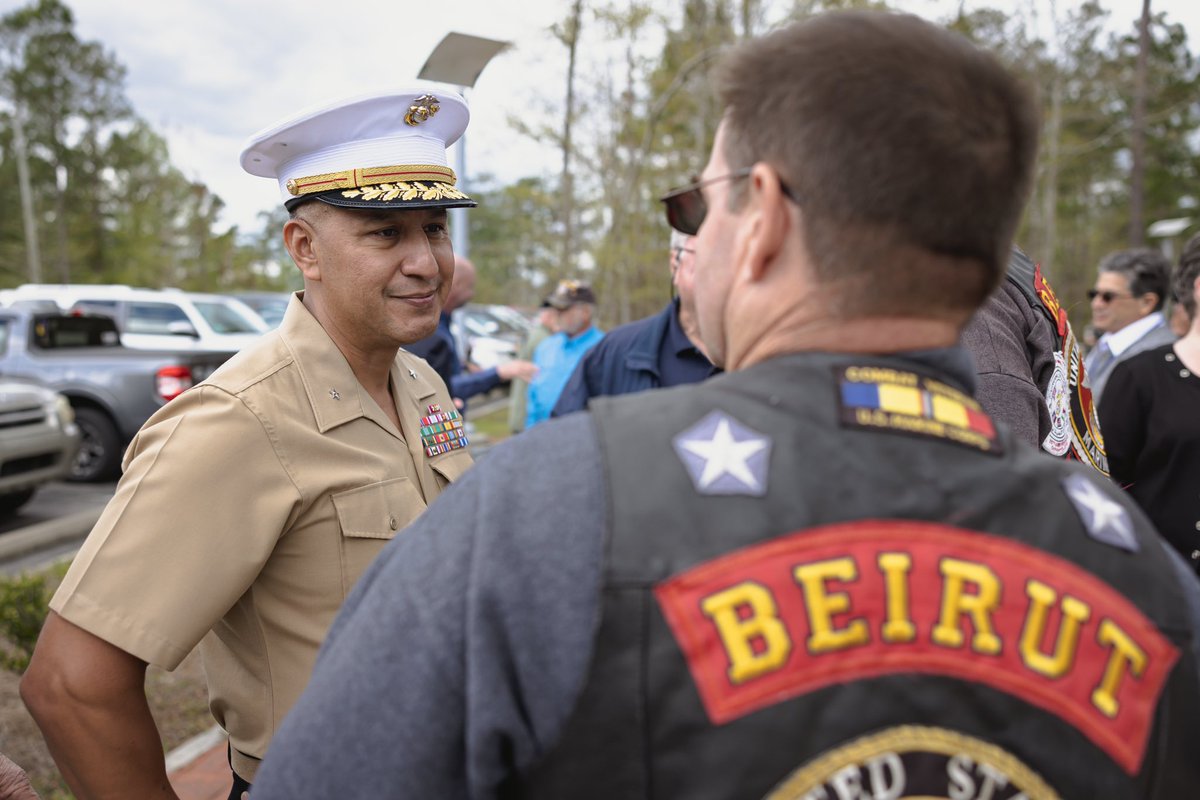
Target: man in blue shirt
557, 357
658, 351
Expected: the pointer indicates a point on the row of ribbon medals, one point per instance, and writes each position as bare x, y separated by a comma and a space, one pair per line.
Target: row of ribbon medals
442, 431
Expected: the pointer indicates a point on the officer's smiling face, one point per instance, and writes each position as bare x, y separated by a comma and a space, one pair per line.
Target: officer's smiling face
385, 274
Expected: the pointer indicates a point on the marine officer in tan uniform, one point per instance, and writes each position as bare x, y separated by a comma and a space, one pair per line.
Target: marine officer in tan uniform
250, 505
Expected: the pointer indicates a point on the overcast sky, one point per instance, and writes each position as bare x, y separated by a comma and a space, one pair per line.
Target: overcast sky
208, 73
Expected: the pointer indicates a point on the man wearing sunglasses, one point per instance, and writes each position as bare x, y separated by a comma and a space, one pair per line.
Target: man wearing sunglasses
822, 574
1127, 308
663, 350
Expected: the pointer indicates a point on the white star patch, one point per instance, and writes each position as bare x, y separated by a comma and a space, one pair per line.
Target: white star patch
1104, 519
723, 456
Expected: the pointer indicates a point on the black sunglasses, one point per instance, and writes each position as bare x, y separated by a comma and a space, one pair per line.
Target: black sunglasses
686, 208
1106, 296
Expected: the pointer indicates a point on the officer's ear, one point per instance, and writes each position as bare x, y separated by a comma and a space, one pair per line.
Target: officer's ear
300, 239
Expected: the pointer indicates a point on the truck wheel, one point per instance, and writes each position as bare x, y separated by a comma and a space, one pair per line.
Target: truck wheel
99, 456
9, 503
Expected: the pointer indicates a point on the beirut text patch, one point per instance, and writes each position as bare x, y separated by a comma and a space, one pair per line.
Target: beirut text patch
878, 597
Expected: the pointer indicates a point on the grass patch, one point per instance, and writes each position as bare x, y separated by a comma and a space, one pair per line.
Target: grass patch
493, 425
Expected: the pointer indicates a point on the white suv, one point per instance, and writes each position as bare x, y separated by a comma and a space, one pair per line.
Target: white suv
154, 319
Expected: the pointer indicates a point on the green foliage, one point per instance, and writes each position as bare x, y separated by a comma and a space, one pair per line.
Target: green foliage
108, 204
513, 240
24, 603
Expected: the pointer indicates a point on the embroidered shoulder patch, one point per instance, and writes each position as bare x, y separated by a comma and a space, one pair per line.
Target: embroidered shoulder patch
1058, 402
1104, 519
897, 401
723, 456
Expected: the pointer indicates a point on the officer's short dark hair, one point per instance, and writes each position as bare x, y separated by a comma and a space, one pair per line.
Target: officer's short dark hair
1146, 269
909, 150
1184, 281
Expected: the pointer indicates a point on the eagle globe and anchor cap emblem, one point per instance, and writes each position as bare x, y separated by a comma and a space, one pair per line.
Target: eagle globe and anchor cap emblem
422, 109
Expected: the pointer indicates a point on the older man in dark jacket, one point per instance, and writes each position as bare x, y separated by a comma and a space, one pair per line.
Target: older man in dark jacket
657, 351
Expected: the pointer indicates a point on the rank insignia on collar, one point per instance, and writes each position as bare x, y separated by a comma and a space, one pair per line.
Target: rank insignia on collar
442, 431
723, 456
1104, 519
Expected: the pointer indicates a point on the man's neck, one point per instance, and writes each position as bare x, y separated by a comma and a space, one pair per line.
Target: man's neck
573, 336
687, 323
878, 336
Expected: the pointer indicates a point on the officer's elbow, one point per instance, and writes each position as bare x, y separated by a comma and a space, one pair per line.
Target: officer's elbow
71, 668
42, 690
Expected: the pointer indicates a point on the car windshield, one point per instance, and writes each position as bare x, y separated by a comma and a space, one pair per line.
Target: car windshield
224, 317
271, 309
480, 321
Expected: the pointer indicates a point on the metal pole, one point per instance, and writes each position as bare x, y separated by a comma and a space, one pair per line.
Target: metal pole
458, 216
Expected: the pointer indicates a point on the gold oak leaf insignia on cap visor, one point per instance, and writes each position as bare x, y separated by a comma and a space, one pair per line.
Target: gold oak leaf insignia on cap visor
416, 190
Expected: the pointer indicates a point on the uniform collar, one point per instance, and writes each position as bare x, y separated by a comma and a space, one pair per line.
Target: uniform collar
333, 391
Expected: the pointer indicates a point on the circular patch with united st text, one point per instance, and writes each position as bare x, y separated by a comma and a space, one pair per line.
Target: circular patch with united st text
915, 763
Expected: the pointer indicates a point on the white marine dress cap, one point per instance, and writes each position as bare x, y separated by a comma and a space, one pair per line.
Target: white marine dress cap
382, 150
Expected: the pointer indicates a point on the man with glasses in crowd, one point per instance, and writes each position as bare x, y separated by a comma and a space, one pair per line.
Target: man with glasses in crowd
1127, 308
659, 351
824, 573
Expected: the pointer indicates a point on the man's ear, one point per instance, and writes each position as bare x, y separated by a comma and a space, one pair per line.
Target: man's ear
1147, 302
770, 220
300, 239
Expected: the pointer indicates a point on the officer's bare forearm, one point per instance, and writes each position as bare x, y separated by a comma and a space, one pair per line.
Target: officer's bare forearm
87, 697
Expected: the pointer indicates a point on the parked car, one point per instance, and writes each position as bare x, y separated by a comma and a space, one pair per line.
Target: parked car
38, 441
154, 319
489, 334
268, 305
112, 389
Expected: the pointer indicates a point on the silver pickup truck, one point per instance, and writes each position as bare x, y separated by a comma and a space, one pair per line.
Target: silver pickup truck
112, 389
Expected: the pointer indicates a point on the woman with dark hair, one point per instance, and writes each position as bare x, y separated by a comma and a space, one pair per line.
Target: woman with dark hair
1150, 415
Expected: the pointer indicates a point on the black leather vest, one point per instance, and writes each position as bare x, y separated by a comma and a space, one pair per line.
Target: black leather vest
888, 614
1066, 388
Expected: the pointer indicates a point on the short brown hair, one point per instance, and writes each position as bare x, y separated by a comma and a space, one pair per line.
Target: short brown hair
909, 150
1183, 282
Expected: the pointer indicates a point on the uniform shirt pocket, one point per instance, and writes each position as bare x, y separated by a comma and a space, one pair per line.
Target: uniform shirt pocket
369, 516
450, 467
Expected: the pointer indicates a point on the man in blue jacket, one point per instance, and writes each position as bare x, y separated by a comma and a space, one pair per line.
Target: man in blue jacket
661, 350
557, 356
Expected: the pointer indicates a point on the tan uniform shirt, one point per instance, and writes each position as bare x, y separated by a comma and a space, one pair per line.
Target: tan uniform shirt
248, 508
